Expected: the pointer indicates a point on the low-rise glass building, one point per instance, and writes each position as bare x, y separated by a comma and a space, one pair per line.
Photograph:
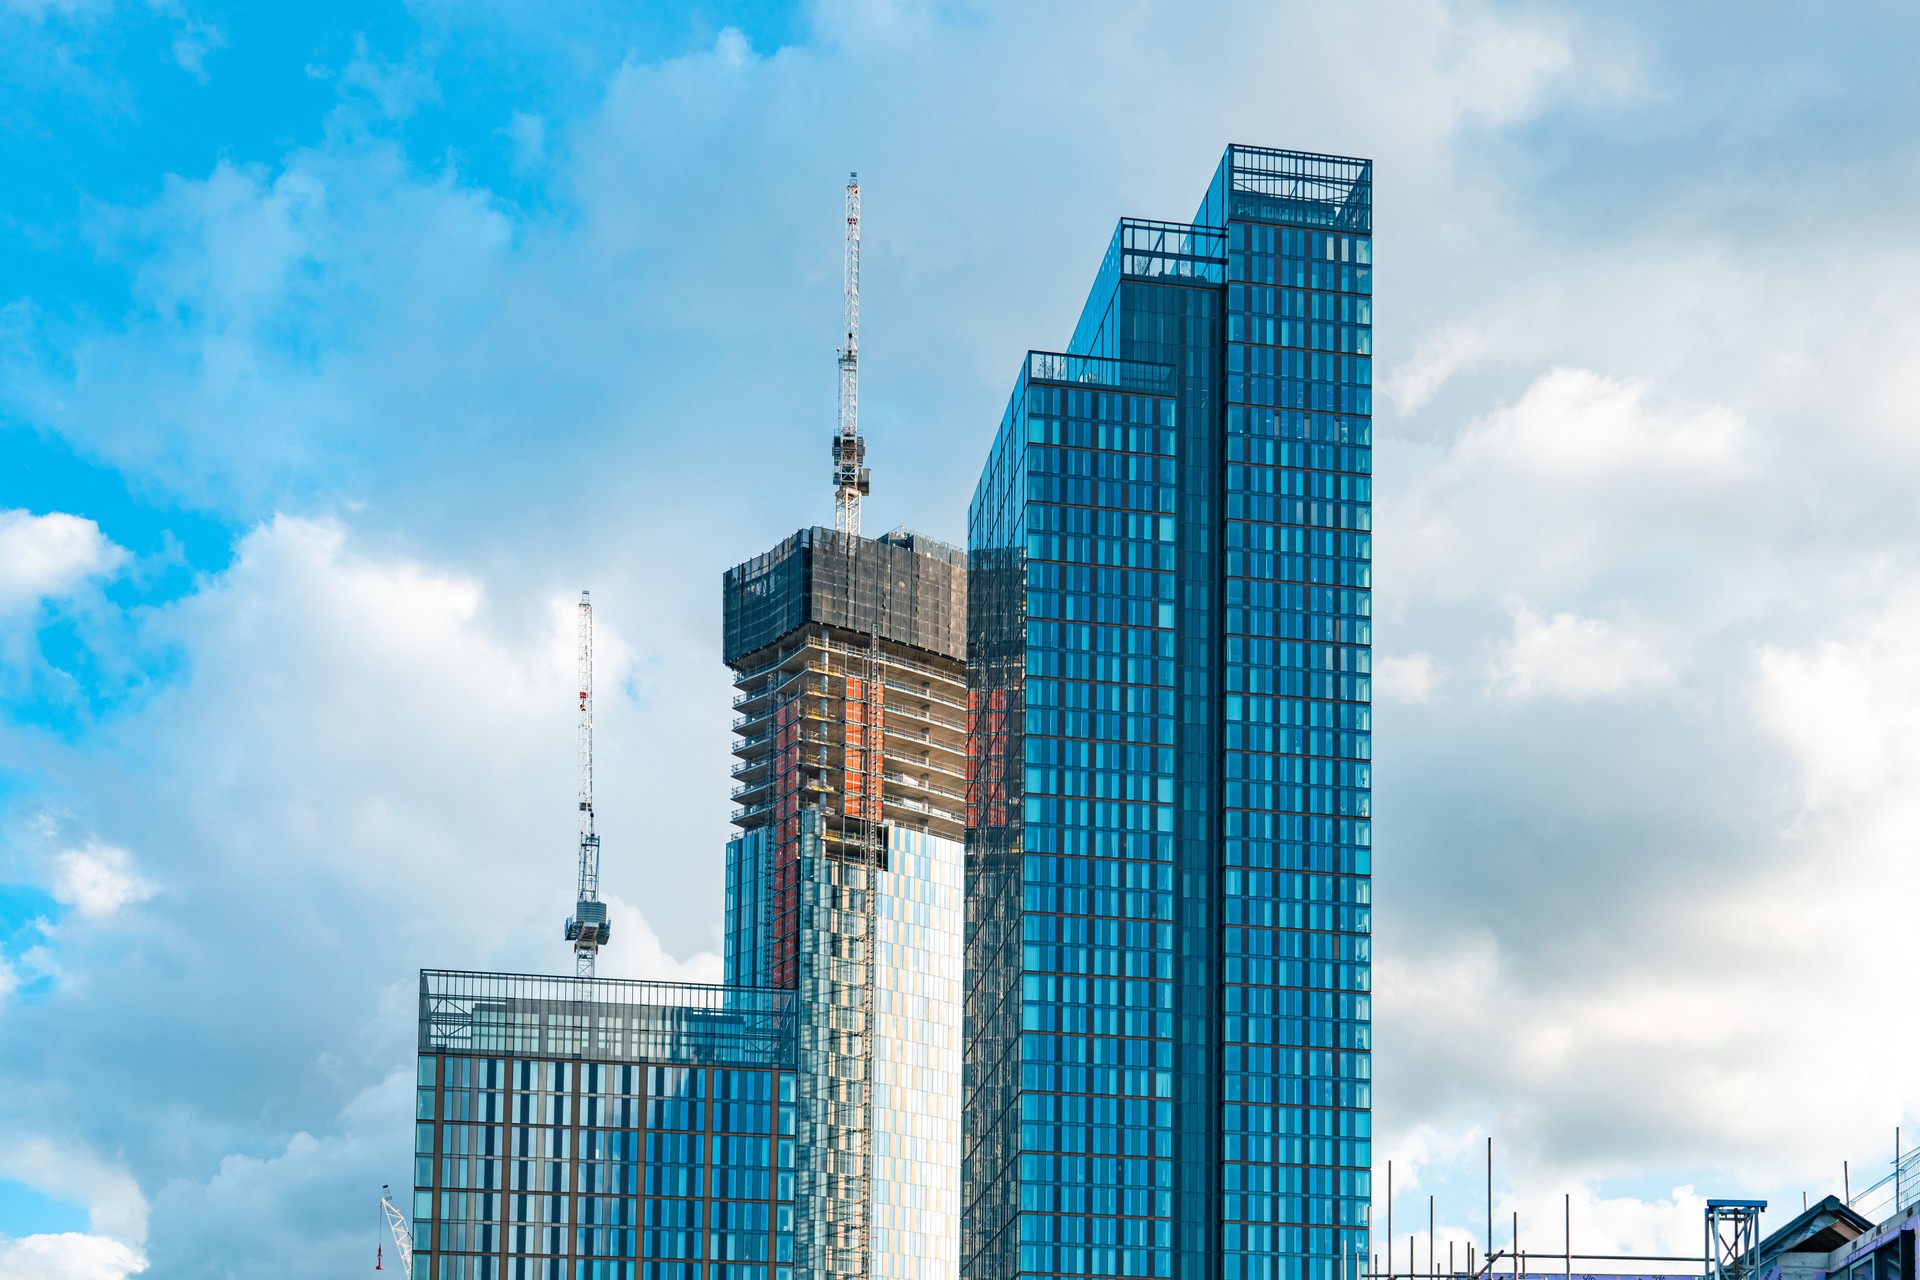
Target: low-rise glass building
599, 1129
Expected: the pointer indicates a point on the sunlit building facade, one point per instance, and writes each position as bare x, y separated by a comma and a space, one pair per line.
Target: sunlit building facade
845, 884
1168, 1021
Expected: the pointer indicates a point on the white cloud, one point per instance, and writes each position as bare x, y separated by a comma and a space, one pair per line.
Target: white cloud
1411, 678
1567, 656
1504, 67
1581, 477
196, 40
1576, 425
1437, 359
354, 759
69, 1255
320, 1187
50, 555
1828, 707
638, 952
528, 134
1848, 709
732, 47
116, 1209
98, 880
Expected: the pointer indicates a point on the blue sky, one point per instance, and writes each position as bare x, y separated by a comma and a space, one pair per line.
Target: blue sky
339, 350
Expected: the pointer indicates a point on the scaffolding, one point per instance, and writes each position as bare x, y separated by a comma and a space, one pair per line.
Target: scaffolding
906, 587
1732, 1238
1517, 1263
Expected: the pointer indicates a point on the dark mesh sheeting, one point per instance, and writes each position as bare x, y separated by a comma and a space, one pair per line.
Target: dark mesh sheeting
907, 587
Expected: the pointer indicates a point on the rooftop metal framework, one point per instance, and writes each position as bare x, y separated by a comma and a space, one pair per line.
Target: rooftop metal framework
1732, 1237
605, 1019
1156, 250
1300, 187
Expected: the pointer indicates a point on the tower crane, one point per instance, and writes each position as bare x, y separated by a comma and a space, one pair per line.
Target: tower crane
587, 927
402, 1235
850, 478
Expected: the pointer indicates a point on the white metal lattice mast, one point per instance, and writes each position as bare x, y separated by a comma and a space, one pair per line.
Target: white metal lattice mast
587, 928
850, 479
402, 1234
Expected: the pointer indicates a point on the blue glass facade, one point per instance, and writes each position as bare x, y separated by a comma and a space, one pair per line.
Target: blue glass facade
1167, 1057
597, 1129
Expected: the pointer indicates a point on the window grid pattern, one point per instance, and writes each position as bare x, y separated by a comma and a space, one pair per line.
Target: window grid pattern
996, 735
569, 1170
1083, 1099
915, 1198
1178, 326
1260, 316
1295, 837
879, 1053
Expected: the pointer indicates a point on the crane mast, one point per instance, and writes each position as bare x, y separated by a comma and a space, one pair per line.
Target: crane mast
587, 928
850, 479
402, 1236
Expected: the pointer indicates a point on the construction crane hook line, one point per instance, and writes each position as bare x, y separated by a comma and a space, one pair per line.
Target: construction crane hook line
851, 480
587, 928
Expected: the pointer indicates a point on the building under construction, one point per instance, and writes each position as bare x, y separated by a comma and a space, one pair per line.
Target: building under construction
845, 883
849, 664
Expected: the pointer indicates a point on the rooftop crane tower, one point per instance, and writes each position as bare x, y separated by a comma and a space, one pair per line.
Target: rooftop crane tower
850, 478
587, 928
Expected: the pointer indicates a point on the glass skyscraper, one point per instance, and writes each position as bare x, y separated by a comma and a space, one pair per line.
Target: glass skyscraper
1167, 1021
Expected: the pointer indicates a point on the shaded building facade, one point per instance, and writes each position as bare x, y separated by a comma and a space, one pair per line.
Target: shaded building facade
1168, 893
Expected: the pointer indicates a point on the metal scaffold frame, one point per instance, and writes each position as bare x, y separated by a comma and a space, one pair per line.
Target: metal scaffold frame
1732, 1236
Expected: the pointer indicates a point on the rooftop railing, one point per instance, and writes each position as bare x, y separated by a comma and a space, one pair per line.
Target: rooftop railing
1101, 372
1300, 187
605, 1019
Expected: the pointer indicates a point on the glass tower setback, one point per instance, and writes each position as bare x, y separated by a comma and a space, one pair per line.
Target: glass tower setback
1167, 1054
